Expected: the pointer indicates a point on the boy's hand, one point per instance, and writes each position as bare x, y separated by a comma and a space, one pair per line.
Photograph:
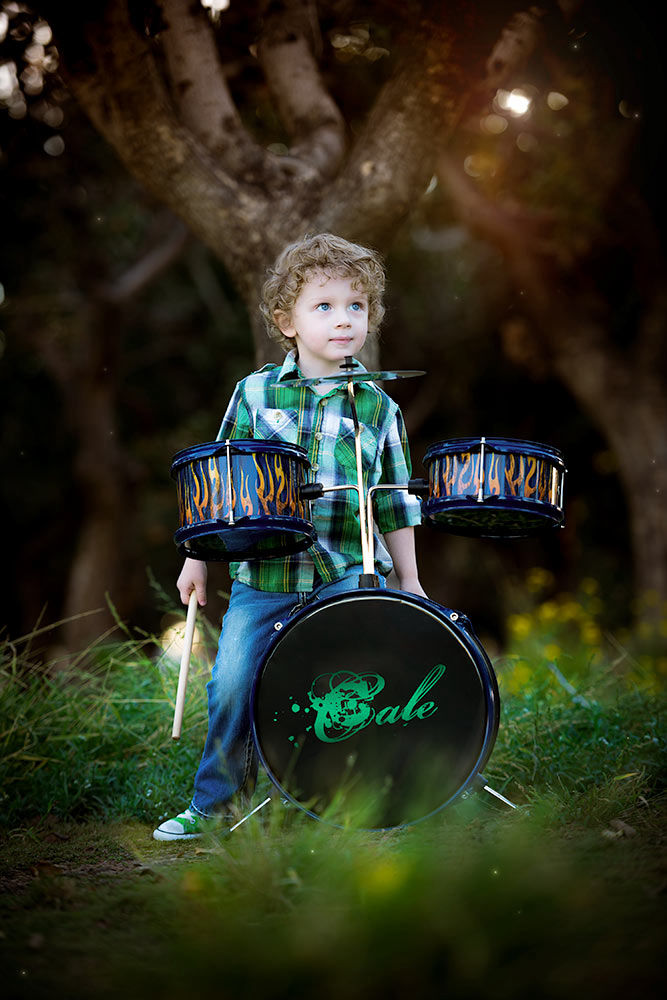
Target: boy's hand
193, 577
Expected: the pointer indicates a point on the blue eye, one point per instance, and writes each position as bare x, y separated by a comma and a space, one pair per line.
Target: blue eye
357, 306
324, 306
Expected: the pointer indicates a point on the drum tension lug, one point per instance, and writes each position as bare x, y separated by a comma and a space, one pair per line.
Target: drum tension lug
311, 491
418, 487
369, 580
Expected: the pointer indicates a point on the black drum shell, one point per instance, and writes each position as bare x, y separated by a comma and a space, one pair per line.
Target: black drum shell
333, 708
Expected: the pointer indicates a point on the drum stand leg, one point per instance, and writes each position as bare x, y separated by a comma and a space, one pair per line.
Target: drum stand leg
482, 782
251, 813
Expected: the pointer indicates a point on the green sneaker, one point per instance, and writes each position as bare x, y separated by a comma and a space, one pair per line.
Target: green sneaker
186, 826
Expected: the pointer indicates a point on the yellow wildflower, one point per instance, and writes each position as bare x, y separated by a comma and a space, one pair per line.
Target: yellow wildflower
591, 634
384, 877
539, 579
519, 625
548, 611
595, 606
514, 680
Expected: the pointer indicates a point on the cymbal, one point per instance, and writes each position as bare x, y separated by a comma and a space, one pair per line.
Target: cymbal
346, 377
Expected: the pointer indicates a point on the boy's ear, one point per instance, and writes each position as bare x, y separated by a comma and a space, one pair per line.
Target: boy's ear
284, 323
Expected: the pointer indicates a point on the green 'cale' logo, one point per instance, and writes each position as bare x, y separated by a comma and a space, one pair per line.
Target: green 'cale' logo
341, 702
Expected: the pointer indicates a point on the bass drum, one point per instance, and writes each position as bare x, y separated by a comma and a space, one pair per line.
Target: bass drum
374, 708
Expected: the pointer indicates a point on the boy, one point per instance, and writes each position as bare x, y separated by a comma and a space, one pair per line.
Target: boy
321, 299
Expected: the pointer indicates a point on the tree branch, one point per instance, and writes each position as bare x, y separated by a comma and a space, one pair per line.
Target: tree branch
306, 108
112, 72
197, 82
140, 274
394, 156
518, 40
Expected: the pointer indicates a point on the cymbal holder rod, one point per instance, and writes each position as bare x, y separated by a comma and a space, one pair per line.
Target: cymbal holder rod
367, 557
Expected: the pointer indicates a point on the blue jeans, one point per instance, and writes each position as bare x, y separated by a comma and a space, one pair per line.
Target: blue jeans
228, 761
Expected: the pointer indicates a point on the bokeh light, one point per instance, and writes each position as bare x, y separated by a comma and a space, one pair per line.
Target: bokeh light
55, 145
557, 101
494, 124
516, 102
526, 142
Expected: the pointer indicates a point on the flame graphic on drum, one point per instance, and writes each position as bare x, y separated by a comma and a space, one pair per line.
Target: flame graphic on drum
185, 510
265, 486
514, 473
277, 487
468, 476
492, 484
218, 493
531, 476
248, 483
244, 495
282, 501
542, 481
200, 493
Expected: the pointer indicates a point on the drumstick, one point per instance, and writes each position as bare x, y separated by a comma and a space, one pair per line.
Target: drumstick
185, 664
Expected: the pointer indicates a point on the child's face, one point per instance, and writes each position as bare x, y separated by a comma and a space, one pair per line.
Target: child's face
328, 321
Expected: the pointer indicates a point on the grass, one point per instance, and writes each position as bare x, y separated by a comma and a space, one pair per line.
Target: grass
562, 897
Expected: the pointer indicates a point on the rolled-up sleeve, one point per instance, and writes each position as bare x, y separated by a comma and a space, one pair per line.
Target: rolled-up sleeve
396, 509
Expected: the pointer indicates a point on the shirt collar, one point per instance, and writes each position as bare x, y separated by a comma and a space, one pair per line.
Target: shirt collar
290, 369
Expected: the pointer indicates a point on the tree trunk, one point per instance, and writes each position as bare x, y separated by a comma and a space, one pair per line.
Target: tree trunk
629, 407
99, 561
622, 391
624, 399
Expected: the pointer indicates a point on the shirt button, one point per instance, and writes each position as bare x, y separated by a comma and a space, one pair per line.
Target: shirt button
319, 435
323, 402
315, 467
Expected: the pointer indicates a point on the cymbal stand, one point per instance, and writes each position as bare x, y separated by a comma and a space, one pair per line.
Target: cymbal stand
369, 578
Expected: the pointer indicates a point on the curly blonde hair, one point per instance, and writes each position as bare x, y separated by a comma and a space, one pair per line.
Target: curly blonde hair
328, 254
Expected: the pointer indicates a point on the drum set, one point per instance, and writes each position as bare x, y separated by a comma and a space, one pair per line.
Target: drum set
375, 708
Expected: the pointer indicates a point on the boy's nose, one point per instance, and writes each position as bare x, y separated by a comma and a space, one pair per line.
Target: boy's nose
342, 319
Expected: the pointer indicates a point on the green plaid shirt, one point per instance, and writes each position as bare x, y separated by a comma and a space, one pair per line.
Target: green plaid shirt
322, 424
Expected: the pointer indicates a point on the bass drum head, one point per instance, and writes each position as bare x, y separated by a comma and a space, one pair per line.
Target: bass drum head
374, 709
